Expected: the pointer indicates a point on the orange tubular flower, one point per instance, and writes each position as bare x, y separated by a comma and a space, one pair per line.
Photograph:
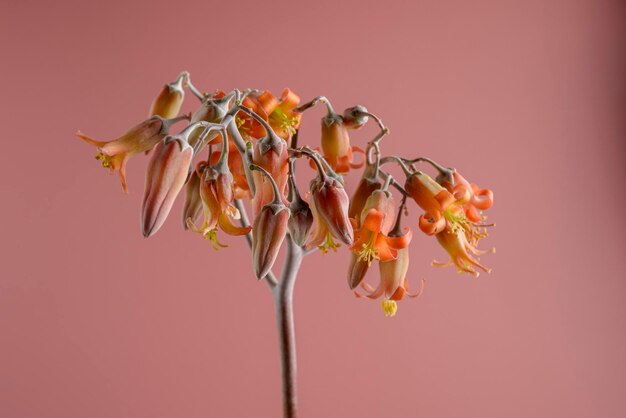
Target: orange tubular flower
169, 101
143, 137
373, 240
461, 252
444, 210
336, 144
165, 177
477, 199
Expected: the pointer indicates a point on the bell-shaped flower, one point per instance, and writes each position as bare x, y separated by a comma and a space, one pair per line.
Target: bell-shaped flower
216, 194
301, 220
169, 101
165, 177
269, 230
336, 144
331, 203
393, 285
374, 239
462, 253
143, 137
269, 153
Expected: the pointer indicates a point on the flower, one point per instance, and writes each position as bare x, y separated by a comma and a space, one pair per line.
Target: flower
372, 240
437, 202
169, 101
461, 252
476, 199
393, 283
336, 144
165, 177
331, 205
216, 194
270, 229
143, 137
282, 118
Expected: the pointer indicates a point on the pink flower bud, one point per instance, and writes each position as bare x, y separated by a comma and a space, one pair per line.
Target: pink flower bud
165, 177
331, 201
169, 101
269, 231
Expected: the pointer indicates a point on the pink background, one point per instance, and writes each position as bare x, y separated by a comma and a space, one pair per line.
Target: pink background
525, 97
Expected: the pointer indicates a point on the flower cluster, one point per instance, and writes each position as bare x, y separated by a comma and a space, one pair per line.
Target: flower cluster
242, 146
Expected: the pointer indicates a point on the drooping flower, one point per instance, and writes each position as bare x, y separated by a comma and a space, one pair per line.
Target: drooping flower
270, 229
373, 239
169, 101
301, 220
217, 196
336, 144
439, 204
462, 253
269, 153
115, 154
393, 285
477, 199
165, 177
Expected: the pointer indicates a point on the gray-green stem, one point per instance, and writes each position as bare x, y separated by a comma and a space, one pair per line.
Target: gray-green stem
283, 303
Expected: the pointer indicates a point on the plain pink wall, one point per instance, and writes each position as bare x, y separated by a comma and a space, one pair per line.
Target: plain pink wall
525, 97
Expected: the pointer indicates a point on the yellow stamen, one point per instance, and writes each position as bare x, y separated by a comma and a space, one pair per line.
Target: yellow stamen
283, 121
328, 244
104, 159
211, 235
458, 221
390, 307
368, 251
